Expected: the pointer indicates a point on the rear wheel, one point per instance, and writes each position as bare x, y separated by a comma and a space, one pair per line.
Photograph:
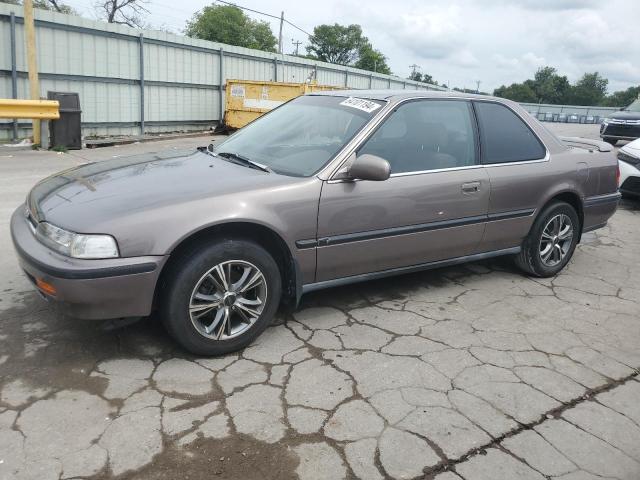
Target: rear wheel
610, 140
551, 241
221, 296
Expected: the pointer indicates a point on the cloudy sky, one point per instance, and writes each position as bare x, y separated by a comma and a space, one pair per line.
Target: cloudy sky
461, 41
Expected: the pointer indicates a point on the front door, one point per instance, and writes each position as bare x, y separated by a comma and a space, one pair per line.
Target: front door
433, 207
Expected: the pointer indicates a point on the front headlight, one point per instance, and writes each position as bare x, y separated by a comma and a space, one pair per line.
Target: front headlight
631, 159
606, 121
76, 245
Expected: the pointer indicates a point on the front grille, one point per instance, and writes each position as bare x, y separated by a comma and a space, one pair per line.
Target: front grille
625, 157
622, 130
619, 121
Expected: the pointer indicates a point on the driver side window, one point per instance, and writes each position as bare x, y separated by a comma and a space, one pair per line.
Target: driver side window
425, 135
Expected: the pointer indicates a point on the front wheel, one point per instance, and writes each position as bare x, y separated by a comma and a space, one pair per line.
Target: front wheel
220, 296
610, 140
551, 241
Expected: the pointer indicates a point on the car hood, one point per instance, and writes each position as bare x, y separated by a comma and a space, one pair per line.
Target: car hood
624, 115
84, 198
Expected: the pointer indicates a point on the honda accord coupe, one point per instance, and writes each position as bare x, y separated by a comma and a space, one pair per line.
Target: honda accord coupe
330, 188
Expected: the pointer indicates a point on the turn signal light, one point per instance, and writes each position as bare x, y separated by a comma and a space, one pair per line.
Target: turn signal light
46, 287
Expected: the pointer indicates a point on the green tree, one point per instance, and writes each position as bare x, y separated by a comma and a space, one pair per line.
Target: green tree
415, 75
422, 77
337, 43
549, 87
589, 90
426, 78
228, 24
372, 60
518, 92
54, 6
622, 98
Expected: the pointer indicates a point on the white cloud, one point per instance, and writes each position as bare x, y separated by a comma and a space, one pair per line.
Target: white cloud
460, 41
549, 4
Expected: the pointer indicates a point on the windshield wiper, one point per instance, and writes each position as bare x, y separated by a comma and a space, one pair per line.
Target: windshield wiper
242, 160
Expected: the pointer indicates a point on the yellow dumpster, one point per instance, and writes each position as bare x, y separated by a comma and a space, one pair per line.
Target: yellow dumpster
246, 100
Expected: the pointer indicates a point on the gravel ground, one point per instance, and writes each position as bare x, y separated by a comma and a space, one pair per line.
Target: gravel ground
473, 372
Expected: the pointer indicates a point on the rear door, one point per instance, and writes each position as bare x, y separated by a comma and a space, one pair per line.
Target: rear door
433, 207
517, 163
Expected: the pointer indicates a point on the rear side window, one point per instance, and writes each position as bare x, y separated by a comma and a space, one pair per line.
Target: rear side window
504, 136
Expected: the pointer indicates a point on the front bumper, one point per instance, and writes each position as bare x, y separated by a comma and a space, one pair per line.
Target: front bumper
619, 131
90, 289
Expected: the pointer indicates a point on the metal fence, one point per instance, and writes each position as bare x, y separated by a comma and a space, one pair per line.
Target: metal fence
145, 81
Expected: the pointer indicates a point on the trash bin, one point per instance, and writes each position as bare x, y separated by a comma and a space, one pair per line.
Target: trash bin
66, 132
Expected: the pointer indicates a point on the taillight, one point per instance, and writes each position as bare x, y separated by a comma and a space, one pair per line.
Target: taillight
618, 174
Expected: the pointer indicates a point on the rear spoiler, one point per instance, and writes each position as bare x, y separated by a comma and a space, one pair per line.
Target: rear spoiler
587, 143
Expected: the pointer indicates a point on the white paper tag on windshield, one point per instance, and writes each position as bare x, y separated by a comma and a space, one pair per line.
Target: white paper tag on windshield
361, 104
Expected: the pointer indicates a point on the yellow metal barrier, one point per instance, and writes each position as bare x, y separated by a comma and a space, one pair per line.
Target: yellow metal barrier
246, 100
35, 109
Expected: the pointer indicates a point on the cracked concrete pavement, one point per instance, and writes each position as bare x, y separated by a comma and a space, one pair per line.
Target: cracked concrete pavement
474, 372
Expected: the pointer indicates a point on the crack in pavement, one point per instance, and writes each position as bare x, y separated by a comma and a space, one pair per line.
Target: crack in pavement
450, 464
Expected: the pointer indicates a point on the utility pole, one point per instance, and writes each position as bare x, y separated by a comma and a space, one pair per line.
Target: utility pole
280, 35
297, 44
414, 68
32, 62
478, 82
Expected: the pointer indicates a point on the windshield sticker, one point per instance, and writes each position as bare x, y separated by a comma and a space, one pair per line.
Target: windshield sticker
237, 90
361, 104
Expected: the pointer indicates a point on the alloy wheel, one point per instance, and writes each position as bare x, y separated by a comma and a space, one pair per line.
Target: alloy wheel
228, 300
556, 239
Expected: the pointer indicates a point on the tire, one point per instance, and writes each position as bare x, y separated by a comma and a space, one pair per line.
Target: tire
531, 258
195, 297
611, 141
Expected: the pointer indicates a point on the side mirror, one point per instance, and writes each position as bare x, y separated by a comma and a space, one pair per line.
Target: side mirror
369, 167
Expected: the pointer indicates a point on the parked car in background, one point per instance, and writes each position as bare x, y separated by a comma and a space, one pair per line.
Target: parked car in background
629, 156
622, 125
329, 189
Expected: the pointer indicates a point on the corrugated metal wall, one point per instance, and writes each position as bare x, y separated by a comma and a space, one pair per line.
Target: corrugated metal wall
182, 78
545, 108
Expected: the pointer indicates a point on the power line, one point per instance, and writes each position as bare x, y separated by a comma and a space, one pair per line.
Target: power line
265, 14
248, 9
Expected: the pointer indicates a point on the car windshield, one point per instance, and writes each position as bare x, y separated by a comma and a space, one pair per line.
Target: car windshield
302, 136
634, 107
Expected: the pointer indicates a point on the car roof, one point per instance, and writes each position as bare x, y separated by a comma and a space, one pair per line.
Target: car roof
395, 95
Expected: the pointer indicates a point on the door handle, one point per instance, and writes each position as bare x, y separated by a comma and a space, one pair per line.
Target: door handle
471, 187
